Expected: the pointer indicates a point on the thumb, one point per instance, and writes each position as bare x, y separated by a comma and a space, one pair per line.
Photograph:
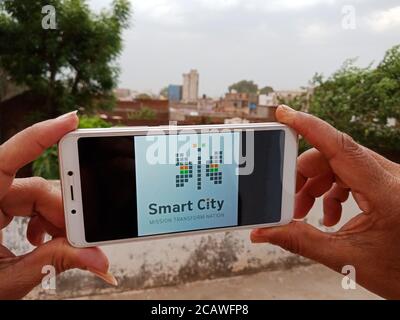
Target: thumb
356, 167
305, 240
21, 277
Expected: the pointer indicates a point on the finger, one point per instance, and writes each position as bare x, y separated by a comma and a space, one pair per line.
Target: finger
5, 253
305, 240
310, 163
362, 202
348, 159
35, 232
21, 277
314, 188
332, 204
300, 181
5, 220
340, 183
33, 196
38, 228
29, 144
390, 166
51, 229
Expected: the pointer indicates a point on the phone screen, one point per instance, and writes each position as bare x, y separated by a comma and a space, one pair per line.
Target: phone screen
138, 186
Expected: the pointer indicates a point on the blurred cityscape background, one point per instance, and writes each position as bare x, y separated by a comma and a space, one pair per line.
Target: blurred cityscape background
46, 70
218, 62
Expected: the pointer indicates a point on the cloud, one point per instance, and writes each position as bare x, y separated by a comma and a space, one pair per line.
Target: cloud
219, 5
267, 6
385, 20
277, 42
295, 4
169, 12
316, 32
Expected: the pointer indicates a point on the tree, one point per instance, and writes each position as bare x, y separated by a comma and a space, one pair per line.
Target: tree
7, 87
266, 90
164, 92
144, 96
144, 113
74, 64
244, 86
298, 102
361, 101
3, 84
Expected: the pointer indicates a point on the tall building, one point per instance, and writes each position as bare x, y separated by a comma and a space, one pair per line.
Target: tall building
190, 92
174, 93
123, 94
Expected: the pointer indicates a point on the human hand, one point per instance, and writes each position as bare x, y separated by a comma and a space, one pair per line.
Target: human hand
37, 199
337, 166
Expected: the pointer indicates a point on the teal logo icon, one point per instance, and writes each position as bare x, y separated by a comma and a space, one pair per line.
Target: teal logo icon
195, 190
186, 170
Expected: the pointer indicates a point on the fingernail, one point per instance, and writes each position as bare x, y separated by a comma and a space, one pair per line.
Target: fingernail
255, 240
42, 238
106, 277
257, 236
258, 239
68, 115
257, 232
285, 114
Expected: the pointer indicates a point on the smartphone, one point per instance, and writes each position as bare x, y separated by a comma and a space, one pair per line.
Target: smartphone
125, 184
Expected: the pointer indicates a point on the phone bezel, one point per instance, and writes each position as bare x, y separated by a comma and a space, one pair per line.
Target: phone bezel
69, 161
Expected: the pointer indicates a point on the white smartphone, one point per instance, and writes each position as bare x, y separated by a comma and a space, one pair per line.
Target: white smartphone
125, 184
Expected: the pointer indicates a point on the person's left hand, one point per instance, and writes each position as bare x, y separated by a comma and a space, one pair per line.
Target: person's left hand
37, 199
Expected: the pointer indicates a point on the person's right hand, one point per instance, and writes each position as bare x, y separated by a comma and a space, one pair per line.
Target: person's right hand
337, 166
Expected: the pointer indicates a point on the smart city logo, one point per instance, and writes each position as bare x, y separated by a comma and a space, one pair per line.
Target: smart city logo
213, 168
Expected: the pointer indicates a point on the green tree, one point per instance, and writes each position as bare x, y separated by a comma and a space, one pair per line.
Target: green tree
266, 90
144, 96
144, 113
74, 64
244, 86
360, 101
3, 84
88, 122
164, 92
298, 102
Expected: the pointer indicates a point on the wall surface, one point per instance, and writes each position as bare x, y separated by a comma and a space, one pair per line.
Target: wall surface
172, 261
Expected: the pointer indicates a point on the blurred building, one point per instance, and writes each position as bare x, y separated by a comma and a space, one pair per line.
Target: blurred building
286, 96
238, 103
265, 112
190, 91
137, 112
123, 94
265, 100
236, 121
174, 93
206, 104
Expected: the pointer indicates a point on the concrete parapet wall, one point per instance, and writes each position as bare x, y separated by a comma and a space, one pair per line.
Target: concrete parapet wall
154, 263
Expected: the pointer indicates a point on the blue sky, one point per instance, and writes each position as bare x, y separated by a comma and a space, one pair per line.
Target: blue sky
281, 43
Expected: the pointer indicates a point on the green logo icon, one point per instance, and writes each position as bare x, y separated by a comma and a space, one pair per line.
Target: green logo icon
213, 168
